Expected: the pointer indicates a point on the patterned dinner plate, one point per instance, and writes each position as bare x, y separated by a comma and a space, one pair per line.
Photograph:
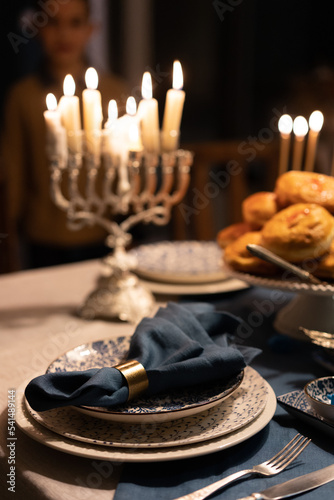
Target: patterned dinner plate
243, 406
161, 408
27, 424
180, 261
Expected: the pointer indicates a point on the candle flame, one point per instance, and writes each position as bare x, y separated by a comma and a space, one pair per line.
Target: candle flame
300, 126
92, 79
316, 121
131, 106
51, 102
177, 75
146, 87
112, 110
285, 124
69, 86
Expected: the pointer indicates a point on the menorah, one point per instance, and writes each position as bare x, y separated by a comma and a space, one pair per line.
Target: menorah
140, 185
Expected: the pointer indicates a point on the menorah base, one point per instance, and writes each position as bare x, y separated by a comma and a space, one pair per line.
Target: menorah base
119, 297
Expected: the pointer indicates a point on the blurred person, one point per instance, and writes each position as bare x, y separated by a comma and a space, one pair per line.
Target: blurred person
33, 222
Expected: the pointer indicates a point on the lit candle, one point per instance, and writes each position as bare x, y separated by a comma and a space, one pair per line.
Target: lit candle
149, 116
124, 123
69, 108
56, 135
300, 129
110, 128
316, 122
173, 111
285, 129
92, 111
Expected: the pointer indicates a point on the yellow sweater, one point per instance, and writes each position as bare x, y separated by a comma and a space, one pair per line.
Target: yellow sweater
26, 170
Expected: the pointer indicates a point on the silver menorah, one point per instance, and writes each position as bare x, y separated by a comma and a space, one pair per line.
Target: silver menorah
140, 185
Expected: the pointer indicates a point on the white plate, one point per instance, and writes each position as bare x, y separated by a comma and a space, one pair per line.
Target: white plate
245, 404
162, 408
180, 261
30, 427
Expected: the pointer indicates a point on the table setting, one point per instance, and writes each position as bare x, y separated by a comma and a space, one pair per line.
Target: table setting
175, 372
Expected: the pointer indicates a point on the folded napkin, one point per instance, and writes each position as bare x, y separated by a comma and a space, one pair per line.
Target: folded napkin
181, 346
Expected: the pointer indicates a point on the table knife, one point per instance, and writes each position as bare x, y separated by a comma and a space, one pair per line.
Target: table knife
295, 486
271, 257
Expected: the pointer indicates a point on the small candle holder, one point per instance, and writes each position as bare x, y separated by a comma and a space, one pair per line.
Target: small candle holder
130, 188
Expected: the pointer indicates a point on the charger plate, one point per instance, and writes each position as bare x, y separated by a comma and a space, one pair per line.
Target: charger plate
165, 407
29, 426
243, 406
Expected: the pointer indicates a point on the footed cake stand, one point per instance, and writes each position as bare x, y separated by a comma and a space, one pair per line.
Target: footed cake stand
311, 308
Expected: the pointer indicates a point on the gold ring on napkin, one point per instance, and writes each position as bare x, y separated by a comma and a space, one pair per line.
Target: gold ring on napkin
135, 376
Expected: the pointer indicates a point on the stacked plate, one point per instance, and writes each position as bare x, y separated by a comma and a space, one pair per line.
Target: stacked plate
183, 267
181, 424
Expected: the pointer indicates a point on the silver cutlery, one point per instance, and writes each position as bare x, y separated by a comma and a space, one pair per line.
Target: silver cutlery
270, 467
271, 257
295, 486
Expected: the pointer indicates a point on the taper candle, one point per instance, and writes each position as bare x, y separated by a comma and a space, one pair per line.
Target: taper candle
55, 133
110, 127
69, 108
300, 129
149, 116
92, 111
316, 121
285, 128
173, 111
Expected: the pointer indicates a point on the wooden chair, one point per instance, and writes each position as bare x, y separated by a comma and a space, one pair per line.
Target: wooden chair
223, 174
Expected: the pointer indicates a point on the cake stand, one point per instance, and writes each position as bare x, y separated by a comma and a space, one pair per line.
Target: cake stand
312, 307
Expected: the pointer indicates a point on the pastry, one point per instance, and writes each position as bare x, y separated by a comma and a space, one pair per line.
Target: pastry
324, 268
238, 257
305, 187
231, 233
299, 232
258, 208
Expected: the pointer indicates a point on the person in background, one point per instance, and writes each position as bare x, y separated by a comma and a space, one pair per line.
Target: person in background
33, 222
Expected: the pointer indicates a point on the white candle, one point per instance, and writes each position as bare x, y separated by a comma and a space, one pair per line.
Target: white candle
56, 135
285, 128
69, 108
316, 121
110, 128
124, 123
300, 129
173, 111
92, 111
149, 116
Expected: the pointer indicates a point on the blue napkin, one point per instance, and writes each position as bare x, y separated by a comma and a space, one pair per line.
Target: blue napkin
180, 347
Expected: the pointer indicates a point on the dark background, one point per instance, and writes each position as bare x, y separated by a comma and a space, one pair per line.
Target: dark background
241, 59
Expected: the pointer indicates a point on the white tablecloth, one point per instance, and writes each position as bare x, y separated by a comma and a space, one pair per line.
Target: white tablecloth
38, 322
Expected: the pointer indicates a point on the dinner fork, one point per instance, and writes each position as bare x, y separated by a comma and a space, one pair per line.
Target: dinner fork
270, 467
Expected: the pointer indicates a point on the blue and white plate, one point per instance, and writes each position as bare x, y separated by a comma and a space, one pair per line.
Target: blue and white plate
171, 406
180, 261
56, 441
243, 407
296, 403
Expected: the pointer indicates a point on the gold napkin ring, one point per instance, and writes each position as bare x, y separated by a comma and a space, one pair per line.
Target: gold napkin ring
135, 376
